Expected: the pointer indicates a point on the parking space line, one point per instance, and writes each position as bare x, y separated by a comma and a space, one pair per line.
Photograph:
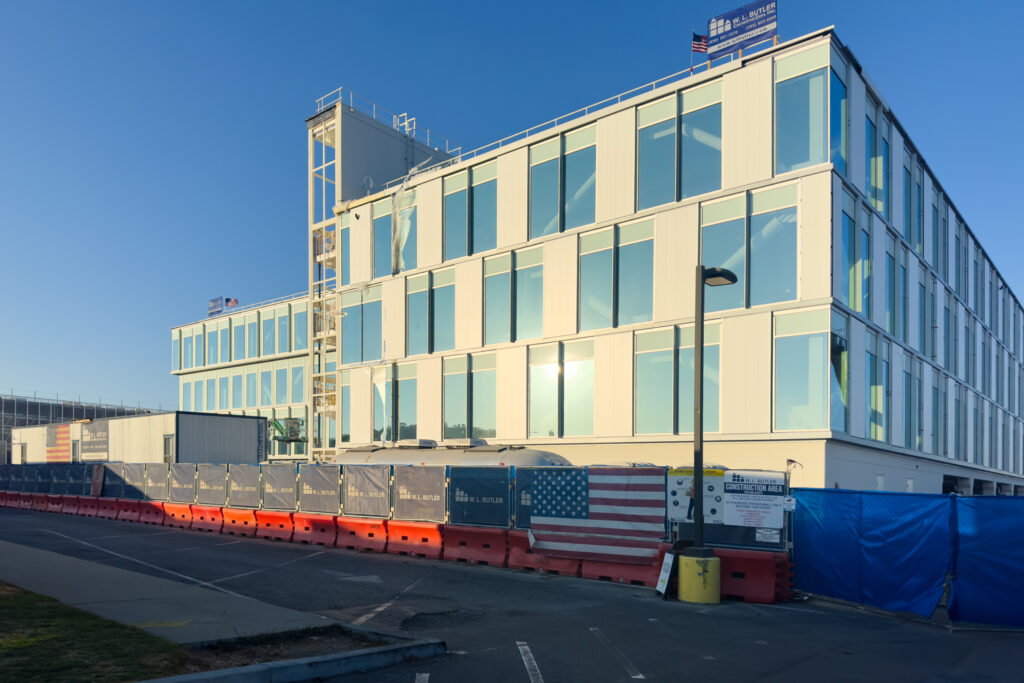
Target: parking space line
532, 670
623, 660
380, 608
218, 545
151, 566
156, 533
263, 569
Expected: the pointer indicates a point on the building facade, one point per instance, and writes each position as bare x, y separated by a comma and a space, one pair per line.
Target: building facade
540, 290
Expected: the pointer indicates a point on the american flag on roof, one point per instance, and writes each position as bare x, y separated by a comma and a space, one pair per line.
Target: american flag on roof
230, 302
699, 43
607, 514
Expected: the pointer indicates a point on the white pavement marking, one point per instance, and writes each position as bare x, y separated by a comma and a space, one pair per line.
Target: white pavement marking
156, 533
151, 566
532, 670
422, 678
380, 608
218, 545
263, 569
626, 664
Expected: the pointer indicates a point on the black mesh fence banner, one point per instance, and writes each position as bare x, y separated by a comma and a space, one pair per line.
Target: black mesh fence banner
134, 481
78, 480
182, 487
113, 480
212, 485
523, 481
5, 477
60, 479
367, 490
479, 496
156, 481
320, 488
279, 487
419, 493
244, 486
35, 475
44, 478
17, 482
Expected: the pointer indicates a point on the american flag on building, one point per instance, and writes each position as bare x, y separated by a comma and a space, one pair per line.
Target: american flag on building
607, 514
699, 43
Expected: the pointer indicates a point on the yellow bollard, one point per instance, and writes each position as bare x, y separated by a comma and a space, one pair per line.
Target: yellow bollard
699, 579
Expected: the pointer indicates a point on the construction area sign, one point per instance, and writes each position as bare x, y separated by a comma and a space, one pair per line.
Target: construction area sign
96, 440
754, 498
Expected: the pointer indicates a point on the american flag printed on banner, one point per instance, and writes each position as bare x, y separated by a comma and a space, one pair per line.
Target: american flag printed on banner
699, 43
607, 514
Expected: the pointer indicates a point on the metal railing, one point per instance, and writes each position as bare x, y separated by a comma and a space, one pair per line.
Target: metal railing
248, 307
401, 122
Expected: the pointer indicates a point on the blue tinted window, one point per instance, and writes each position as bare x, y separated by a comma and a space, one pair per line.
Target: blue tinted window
266, 388
198, 386
544, 193
282, 334
485, 216
251, 390
636, 283
529, 302
485, 390
838, 124
211, 348
254, 340
382, 246
187, 354
225, 345
346, 414
723, 247
382, 423
455, 402
186, 396
199, 349
772, 257
579, 397
175, 355
298, 386
497, 311
282, 386
580, 177
417, 334
407, 236
654, 392
800, 126
456, 225
352, 334
236, 391
407, 409
701, 151
268, 337
685, 389
656, 164
239, 332
300, 331
372, 344
800, 382
596, 290
444, 318
211, 394
544, 400
871, 185
345, 260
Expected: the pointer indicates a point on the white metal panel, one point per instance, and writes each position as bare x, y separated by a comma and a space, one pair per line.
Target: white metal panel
616, 161
836, 212
511, 387
513, 197
393, 307
428, 223
560, 266
747, 124
362, 405
879, 234
613, 385
675, 263
896, 153
746, 374
469, 304
211, 438
814, 243
858, 398
360, 260
429, 390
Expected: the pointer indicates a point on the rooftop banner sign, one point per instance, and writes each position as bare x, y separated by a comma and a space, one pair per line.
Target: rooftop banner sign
741, 28
216, 307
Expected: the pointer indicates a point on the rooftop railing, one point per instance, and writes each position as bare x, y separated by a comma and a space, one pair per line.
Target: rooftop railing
248, 307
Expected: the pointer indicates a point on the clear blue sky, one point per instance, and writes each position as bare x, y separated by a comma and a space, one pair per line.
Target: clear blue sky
152, 153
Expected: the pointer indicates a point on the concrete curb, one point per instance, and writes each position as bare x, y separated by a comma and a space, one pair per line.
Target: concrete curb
316, 668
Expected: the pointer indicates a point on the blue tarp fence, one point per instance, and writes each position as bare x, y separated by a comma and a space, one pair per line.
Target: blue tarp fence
895, 551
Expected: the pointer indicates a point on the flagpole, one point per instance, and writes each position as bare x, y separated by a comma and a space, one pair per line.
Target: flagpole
692, 33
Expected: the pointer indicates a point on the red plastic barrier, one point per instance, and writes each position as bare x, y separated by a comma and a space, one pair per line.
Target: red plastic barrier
755, 575
54, 502
178, 514
633, 574
151, 512
128, 510
88, 506
3, 499
275, 525
238, 522
314, 529
416, 539
12, 499
70, 505
520, 556
360, 533
476, 545
39, 502
207, 518
106, 508
25, 501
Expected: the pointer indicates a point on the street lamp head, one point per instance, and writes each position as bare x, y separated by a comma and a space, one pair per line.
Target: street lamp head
715, 277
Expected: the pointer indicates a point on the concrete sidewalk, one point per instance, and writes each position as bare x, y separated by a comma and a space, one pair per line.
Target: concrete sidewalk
176, 611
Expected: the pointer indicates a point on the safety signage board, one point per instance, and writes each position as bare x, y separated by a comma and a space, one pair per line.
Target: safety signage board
679, 495
754, 498
741, 27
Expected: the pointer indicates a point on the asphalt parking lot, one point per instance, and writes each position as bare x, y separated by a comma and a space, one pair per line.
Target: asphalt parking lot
504, 625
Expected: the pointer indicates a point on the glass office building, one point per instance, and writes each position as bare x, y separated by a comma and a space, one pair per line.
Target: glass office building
539, 290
